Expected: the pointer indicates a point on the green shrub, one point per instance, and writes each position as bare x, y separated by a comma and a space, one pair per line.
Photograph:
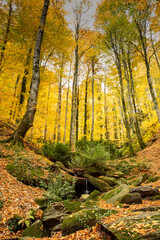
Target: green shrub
13, 223
91, 156
61, 188
57, 152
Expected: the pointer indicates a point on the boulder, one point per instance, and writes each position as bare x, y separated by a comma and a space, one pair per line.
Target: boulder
98, 183
140, 180
34, 230
115, 174
53, 216
110, 180
72, 207
136, 226
84, 218
60, 165
131, 198
145, 191
93, 196
115, 195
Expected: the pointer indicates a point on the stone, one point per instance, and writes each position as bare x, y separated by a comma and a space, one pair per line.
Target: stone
110, 180
82, 219
53, 216
145, 191
115, 195
34, 230
98, 183
115, 174
72, 207
93, 196
140, 180
131, 198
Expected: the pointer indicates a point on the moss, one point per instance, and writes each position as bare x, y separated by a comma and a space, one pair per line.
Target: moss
93, 196
99, 184
72, 206
153, 178
34, 230
110, 180
83, 219
116, 194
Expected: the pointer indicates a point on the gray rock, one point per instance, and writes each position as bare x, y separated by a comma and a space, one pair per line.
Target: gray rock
145, 191
131, 198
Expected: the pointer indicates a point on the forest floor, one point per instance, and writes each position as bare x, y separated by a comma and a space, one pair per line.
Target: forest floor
19, 198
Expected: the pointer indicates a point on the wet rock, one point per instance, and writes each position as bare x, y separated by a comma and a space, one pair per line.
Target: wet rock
98, 183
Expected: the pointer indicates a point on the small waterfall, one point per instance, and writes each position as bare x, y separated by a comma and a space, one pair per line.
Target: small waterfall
86, 191
75, 174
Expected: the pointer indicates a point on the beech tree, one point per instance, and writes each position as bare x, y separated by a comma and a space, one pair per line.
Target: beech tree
27, 121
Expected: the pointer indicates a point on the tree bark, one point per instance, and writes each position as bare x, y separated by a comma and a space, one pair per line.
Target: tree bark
28, 118
106, 113
45, 129
86, 104
14, 96
92, 129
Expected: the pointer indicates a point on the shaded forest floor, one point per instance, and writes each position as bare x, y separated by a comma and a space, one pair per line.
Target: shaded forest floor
19, 198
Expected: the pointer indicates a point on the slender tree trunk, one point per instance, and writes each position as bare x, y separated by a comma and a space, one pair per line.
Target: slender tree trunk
74, 92
24, 80
126, 123
155, 53
92, 129
59, 103
106, 113
77, 114
6, 34
45, 129
28, 118
66, 112
14, 96
136, 123
86, 104
115, 123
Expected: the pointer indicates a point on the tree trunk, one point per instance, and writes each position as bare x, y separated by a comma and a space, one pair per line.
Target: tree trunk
6, 34
59, 103
115, 123
86, 104
45, 130
74, 92
24, 80
77, 114
106, 113
28, 118
136, 122
126, 123
92, 129
66, 113
14, 96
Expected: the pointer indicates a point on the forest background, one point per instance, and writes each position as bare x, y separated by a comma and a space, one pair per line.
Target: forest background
96, 83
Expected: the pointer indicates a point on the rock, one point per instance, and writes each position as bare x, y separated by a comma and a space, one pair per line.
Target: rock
53, 216
84, 197
127, 227
116, 174
140, 180
110, 180
34, 230
115, 195
131, 198
98, 183
145, 191
93, 196
82, 219
122, 180
72, 207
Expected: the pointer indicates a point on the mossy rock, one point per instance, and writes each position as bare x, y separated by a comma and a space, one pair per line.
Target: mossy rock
83, 219
115, 195
131, 198
153, 179
98, 183
72, 207
34, 230
60, 165
128, 227
121, 181
139, 180
115, 174
93, 196
110, 180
